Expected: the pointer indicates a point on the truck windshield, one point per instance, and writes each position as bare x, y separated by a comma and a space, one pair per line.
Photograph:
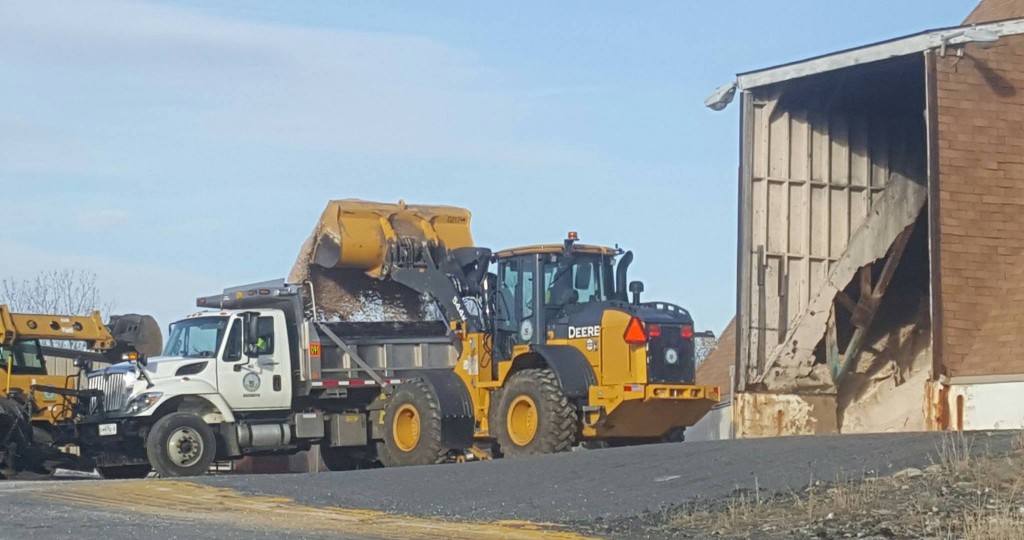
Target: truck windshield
196, 338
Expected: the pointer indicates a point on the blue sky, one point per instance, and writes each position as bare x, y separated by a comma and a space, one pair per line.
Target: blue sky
179, 147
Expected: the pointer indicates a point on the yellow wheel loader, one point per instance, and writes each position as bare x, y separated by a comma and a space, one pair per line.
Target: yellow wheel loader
555, 347
33, 401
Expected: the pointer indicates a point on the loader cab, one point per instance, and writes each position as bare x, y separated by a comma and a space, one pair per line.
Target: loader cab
25, 357
538, 285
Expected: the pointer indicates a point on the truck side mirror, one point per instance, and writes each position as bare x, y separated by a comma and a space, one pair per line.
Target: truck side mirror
635, 288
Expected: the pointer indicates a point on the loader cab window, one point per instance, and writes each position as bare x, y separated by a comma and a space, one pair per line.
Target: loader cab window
514, 302
580, 279
505, 298
26, 358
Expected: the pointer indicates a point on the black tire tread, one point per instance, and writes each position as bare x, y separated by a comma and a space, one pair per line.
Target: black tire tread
340, 458
155, 445
125, 472
426, 453
559, 424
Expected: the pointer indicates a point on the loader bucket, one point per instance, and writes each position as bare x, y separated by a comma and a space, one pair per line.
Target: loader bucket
140, 333
358, 235
353, 246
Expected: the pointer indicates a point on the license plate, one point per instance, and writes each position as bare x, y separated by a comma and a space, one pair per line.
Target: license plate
108, 429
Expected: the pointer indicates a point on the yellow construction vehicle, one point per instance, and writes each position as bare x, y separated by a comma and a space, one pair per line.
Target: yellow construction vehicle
552, 349
33, 401
547, 352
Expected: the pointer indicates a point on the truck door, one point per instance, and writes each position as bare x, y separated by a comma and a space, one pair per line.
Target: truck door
261, 379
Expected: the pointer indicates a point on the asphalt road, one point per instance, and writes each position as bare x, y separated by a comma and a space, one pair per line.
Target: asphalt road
613, 483
577, 489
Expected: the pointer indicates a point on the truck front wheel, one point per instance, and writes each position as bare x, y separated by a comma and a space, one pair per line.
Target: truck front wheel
534, 416
181, 444
412, 433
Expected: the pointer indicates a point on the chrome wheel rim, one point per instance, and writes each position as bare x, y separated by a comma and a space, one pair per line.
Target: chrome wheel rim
185, 447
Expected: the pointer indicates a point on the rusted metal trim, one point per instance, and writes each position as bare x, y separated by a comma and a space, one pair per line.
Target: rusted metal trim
934, 227
744, 236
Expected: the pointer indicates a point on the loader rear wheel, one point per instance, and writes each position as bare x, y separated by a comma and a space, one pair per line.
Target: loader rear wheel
535, 416
181, 444
412, 433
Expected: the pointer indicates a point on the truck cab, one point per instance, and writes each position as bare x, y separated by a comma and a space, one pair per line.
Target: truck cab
242, 355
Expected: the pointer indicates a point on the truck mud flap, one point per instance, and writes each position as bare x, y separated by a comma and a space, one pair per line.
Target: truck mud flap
457, 423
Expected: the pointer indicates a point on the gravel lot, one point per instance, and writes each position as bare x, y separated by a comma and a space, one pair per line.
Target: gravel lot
589, 489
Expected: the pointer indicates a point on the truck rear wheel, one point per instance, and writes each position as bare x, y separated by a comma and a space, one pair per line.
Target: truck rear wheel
534, 416
181, 444
412, 433
342, 458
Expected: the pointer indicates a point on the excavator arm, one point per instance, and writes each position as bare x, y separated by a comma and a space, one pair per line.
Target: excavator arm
89, 329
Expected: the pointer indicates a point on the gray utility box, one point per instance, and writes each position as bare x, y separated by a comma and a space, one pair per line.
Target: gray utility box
309, 425
348, 429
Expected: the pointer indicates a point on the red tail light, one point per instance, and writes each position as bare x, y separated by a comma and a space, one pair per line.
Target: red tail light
635, 334
687, 331
653, 330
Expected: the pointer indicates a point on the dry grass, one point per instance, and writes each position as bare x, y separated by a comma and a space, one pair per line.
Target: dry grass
1005, 524
970, 494
956, 450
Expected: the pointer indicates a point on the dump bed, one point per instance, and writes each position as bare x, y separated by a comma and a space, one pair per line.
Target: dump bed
390, 348
376, 353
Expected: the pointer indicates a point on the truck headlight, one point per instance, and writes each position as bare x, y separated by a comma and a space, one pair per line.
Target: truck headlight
142, 402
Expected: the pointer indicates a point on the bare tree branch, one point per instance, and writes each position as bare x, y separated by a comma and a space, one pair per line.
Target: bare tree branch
64, 292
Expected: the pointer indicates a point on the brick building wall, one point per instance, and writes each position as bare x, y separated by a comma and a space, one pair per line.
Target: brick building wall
981, 200
995, 10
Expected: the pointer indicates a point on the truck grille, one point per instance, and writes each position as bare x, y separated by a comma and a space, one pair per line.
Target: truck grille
115, 391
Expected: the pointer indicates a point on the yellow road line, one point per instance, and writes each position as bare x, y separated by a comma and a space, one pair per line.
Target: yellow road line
171, 498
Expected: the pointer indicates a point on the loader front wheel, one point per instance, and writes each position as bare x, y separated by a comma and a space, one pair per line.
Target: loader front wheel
181, 444
412, 427
535, 416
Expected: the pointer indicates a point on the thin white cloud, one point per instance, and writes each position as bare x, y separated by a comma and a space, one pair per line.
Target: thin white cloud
103, 219
29, 147
261, 83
